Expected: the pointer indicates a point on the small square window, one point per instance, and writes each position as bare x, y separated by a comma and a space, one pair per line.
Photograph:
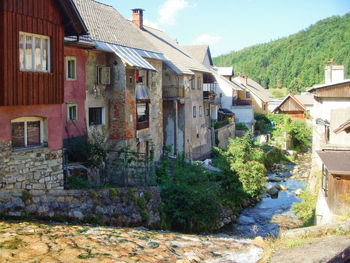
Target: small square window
247, 95
96, 116
72, 112
71, 70
200, 111
194, 112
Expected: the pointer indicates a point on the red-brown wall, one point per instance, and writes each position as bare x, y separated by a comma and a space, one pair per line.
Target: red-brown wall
52, 113
75, 92
41, 17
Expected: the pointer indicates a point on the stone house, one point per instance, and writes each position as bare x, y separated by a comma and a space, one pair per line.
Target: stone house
32, 90
331, 144
184, 122
123, 80
254, 93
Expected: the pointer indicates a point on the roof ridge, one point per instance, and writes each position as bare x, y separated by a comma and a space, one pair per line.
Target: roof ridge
102, 3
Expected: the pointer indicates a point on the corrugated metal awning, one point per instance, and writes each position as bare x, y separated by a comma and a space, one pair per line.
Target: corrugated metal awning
337, 162
142, 92
127, 54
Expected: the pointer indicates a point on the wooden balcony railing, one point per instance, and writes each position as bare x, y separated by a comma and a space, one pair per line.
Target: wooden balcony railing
173, 91
238, 102
209, 95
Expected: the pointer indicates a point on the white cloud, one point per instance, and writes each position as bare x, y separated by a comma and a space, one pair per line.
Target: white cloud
169, 10
151, 24
206, 39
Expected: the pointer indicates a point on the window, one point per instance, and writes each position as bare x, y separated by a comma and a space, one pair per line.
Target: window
103, 75
34, 52
194, 112
247, 94
96, 116
142, 115
199, 83
71, 68
72, 112
264, 107
27, 132
193, 83
200, 111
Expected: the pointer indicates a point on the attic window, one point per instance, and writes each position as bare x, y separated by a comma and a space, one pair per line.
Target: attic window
247, 94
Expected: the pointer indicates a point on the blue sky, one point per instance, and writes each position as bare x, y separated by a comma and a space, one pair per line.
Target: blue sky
230, 25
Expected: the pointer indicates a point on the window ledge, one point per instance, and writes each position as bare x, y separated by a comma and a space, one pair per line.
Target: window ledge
27, 149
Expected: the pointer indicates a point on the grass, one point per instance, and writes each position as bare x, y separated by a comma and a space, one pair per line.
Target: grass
279, 93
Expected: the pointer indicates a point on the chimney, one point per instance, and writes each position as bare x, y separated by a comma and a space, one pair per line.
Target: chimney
137, 17
334, 73
246, 79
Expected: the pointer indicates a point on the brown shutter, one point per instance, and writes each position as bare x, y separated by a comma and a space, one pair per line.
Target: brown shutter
33, 133
17, 134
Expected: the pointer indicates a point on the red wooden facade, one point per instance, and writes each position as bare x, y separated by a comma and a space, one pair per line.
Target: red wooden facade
17, 87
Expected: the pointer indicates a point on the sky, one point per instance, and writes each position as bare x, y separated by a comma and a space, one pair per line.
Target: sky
230, 25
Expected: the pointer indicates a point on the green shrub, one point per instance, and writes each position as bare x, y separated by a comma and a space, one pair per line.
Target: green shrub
241, 126
162, 172
190, 202
222, 123
148, 196
132, 196
305, 210
263, 124
275, 155
299, 133
25, 196
141, 203
76, 182
145, 216
113, 193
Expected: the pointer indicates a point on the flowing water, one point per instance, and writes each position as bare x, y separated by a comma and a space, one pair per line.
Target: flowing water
256, 221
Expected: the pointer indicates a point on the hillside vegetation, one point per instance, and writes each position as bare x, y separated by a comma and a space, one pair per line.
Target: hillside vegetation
298, 60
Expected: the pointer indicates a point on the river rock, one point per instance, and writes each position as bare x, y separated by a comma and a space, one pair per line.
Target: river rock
298, 192
273, 178
259, 242
246, 220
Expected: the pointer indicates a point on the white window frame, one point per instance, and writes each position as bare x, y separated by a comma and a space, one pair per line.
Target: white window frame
42, 37
71, 105
194, 112
68, 58
26, 120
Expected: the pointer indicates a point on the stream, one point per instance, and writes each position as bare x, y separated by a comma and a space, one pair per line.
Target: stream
274, 212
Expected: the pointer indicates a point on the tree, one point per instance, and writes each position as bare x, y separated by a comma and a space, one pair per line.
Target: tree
296, 86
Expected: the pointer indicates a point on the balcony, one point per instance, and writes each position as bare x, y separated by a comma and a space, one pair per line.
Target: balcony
173, 91
209, 95
238, 102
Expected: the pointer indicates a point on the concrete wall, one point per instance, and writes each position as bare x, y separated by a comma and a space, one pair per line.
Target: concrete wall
117, 207
30, 169
223, 134
75, 92
243, 114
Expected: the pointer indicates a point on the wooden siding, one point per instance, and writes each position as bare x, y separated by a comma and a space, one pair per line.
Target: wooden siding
17, 87
291, 105
335, 91
338, 193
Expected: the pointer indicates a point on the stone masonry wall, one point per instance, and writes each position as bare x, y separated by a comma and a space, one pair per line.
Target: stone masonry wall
117, 207
31, 169
223, 134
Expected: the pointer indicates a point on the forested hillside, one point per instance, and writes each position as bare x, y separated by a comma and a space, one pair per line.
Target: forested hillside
297, 60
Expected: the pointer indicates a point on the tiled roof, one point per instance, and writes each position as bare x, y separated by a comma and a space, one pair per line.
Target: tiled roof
255, 88
179, 60
106, 24
198, 52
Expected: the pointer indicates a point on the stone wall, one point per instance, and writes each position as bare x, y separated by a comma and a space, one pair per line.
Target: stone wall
223, 134
30, 169
117, 207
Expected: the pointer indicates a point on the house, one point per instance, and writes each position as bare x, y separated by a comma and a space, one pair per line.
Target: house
307, 100
292, 107
123, 80
226, 91
73, 109
226, 72
184, 122
331, 144
255, 93
32, 90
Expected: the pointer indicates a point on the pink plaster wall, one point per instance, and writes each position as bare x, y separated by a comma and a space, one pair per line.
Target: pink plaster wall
74, 92
52, 113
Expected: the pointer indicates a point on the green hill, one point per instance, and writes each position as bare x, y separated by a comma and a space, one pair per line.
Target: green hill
301, 57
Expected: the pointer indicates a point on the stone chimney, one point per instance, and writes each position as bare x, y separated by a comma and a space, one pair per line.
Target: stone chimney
246, 79
334, 73
137, 17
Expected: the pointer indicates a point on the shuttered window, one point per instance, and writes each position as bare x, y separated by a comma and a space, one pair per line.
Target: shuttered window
26, 134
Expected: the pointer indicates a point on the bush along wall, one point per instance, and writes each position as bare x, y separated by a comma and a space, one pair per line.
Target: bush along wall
116, 207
